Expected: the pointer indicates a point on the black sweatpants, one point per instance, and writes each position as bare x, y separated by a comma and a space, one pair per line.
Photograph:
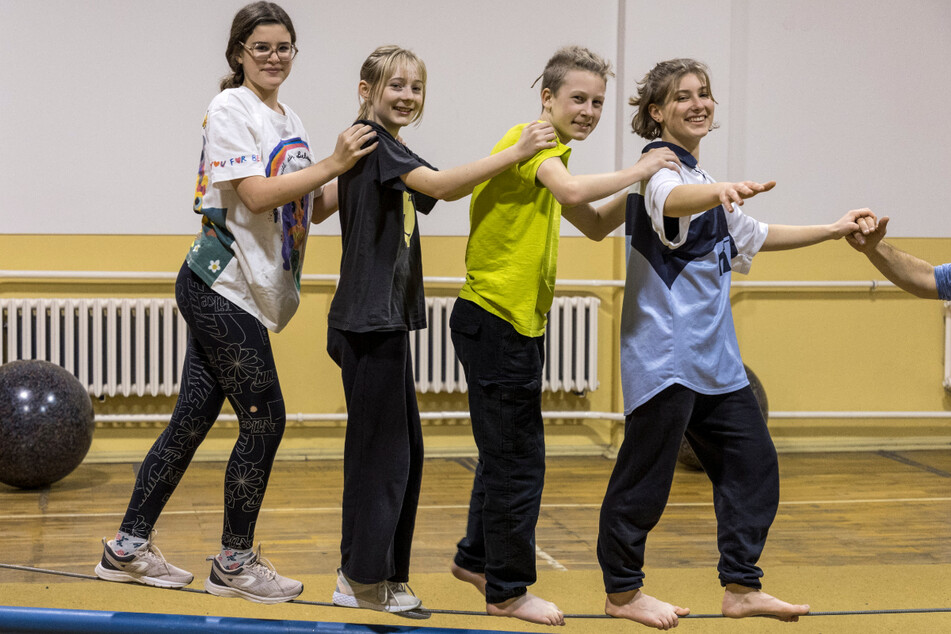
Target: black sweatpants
730, 438
383, 454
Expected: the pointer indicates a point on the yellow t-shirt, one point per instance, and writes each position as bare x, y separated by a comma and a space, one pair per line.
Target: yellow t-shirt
512, 254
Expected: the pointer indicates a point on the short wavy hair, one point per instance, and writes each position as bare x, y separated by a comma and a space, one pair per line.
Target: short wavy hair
658, 86
570, 58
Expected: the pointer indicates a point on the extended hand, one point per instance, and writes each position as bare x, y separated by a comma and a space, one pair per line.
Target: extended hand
736, 193
865, 241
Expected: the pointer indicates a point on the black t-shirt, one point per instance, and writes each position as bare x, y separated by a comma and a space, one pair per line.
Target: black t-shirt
381, 271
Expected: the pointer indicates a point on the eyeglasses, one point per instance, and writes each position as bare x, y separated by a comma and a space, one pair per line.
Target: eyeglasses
262, 52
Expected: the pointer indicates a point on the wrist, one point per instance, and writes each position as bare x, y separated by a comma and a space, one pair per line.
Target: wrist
515, 154
335, 165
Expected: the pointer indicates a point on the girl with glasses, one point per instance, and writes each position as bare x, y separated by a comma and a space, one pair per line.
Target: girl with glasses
258, 189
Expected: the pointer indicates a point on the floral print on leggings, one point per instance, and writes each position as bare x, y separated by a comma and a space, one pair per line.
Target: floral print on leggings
229, 356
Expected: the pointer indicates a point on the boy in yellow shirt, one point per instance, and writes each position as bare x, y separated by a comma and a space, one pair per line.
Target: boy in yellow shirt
498, 325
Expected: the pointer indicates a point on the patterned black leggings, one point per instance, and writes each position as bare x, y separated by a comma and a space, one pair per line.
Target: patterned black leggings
229, 355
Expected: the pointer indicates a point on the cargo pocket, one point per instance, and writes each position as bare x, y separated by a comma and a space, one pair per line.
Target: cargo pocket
514, 415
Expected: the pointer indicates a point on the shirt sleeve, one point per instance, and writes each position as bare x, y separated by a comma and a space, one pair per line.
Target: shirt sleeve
656, 191
942, 278
528, 170
393, 160
232, 143
748, 235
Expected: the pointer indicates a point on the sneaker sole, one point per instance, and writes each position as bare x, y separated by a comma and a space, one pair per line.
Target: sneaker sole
229, 592
125, 577
347, 601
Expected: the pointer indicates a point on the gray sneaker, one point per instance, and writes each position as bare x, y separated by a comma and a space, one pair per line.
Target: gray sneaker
145, 565
385, 596
256, 580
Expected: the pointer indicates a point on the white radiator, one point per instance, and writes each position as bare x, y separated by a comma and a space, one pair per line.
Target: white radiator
571, 348
130, 347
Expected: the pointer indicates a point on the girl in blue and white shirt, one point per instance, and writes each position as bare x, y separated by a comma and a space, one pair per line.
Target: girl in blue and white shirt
680, 362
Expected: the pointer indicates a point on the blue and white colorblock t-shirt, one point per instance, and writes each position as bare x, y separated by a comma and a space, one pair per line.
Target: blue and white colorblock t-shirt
942, 279
254, 260
676, 321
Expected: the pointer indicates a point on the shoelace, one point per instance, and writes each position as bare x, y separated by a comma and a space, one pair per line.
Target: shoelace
258, 561
392, 588
153, 553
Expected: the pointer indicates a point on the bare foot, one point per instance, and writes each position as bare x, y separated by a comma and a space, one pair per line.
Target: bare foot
529, 608
644, 609
475, 578
741, 601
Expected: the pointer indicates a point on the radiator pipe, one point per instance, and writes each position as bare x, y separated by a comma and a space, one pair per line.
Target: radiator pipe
327, 277
301, 417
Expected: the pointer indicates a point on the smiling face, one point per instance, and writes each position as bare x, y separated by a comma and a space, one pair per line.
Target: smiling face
265, 77
575, 109
687, 115
398, 102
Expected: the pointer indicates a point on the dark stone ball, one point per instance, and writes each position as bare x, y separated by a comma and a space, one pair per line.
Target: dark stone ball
689, 459
46, 423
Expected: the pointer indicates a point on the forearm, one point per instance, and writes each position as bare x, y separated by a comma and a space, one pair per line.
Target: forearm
457, 182
572, 190
782, 237
904, 270
326, 204
260, 194
686, 200
597, 223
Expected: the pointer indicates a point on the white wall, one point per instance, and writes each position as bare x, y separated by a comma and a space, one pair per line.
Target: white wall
101, 102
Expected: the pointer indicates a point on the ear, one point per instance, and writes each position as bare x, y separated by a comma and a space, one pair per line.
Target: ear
363, 90
655, 113
547, 96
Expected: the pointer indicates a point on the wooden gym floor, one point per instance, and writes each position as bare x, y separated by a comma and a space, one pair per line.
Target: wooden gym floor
856, 533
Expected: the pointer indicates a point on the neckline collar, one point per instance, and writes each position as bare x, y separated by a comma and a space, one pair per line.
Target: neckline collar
686, 158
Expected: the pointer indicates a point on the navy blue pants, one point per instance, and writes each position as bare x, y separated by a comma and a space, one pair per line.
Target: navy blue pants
383, 454
229, 356
730, 438
504, 373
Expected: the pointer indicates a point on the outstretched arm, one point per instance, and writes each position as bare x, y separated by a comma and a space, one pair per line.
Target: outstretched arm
260, 193
454, 183
686, 200
857, 223
572, 191
904, 270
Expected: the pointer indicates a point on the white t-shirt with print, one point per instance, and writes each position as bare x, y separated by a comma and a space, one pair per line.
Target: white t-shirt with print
254, 260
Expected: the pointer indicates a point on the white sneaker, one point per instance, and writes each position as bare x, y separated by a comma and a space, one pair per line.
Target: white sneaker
145, 565
385, 596
256, 580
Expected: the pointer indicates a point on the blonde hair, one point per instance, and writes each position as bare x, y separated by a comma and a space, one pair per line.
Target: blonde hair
657, 87
380, 66
570, 58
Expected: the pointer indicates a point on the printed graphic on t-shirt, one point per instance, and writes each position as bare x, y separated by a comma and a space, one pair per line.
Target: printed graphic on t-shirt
289, 156
409, 217
201, 186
